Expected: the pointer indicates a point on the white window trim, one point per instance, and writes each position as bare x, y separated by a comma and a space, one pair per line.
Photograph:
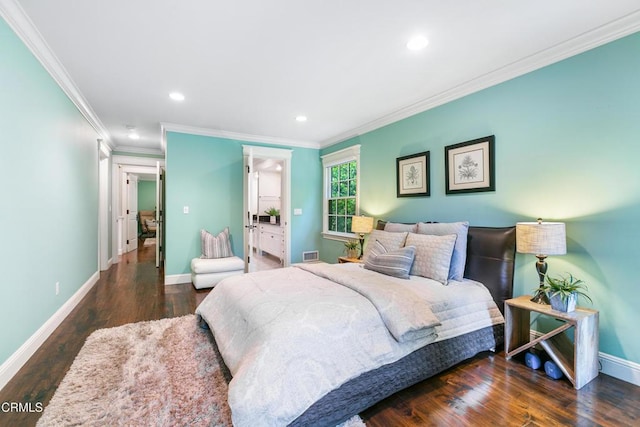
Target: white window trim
341, 156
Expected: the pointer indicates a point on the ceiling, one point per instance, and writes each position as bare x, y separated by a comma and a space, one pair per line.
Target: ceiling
248, 67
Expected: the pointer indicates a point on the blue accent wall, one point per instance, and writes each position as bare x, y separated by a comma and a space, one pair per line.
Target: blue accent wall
567, 149
206, 174
49, 194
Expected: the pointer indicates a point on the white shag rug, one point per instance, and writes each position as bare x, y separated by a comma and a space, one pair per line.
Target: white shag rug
159, 373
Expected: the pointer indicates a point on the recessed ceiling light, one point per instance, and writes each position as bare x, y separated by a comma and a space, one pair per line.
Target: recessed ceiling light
134, 135
417, 43
176, 96
301, 118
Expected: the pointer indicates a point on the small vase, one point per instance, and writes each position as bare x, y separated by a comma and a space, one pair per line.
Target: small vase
352, 253
272, 219
567, 305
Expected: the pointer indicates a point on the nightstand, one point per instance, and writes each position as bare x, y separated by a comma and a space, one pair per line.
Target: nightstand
344, 260
578, 360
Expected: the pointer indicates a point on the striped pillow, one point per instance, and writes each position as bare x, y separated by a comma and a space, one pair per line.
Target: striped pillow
396, 263
216, 246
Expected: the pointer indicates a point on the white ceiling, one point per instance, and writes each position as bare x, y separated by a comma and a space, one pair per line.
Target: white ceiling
249, 67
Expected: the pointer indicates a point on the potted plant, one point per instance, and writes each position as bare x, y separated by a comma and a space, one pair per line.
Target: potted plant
563, 292
351, 246
273, 214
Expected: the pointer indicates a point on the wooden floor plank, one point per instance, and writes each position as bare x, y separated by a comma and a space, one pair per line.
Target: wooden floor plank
487, 390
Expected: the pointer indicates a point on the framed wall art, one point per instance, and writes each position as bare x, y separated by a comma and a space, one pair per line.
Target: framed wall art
470, 166
413, 175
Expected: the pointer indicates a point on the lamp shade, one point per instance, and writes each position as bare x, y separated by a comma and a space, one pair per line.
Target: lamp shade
541, 238
361, 224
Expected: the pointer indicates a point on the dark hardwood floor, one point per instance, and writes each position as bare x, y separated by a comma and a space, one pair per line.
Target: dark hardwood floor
487, 390
130, 291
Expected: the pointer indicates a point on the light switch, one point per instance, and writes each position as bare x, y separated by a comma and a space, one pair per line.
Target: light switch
297, 211
185, 209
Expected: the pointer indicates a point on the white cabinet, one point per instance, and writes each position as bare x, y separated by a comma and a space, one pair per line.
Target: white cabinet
269, 191
272, 239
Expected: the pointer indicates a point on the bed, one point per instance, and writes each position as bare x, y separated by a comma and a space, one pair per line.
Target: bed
310, 370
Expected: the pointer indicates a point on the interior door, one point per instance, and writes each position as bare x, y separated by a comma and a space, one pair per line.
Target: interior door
132, 212
249, 226
160, 176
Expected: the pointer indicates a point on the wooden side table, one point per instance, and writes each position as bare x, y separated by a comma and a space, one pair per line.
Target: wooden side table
344, 260
578, 360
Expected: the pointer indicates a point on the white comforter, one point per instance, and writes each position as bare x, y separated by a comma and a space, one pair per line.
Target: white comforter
289, 336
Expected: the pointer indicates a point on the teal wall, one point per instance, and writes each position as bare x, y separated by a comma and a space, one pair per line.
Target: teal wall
146, 195
567, 149
49, 194
205, 173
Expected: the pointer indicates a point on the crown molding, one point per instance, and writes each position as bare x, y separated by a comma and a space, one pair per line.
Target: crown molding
137, 150
614, 30
21, 24
172, 127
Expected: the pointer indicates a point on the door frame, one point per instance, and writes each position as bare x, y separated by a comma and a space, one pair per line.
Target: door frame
123, 165
160, 202
104, 207
284, 155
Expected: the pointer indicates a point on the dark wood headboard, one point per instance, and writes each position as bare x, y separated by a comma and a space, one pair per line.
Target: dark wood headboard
491, 253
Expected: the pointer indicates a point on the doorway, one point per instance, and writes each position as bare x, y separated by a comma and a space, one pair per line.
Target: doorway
124, 226
266, 207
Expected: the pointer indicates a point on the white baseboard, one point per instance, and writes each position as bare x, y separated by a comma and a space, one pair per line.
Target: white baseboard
109, 264
13, 364
613, 366
620, 368
177, 279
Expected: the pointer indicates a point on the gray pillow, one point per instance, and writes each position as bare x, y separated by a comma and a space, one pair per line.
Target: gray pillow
391, 241
394, 263
215, 246
459, 257
396, 227
433, 255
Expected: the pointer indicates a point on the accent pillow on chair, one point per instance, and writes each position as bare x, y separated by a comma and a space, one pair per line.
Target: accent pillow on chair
216, 246
151, 224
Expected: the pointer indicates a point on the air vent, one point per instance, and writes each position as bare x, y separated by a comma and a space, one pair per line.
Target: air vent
310, 256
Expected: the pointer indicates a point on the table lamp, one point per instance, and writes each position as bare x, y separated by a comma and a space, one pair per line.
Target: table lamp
541, 239
361, 225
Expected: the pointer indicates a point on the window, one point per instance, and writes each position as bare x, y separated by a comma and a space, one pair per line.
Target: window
341, 185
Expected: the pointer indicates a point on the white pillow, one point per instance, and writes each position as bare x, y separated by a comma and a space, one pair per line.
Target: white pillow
459, 256
215, 246
433, 255
391, 241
